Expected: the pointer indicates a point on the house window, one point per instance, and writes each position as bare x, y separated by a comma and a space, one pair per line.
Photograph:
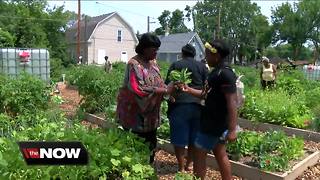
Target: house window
179, 56
119, 36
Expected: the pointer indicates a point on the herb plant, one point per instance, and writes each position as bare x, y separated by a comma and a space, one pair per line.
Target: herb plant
182, 76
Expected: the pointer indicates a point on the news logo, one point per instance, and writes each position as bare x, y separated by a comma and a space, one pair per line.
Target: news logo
53, 153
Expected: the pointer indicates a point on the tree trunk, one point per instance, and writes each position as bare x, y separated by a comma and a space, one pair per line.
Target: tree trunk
296, 49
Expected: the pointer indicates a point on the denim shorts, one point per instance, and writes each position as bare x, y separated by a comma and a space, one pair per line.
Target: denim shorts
207, 142
184, 123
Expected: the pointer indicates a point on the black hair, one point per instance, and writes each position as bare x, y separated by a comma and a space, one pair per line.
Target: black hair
188, 50
147, 40
222, 47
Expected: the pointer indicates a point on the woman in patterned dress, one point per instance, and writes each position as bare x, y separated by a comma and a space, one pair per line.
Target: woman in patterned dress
139, 99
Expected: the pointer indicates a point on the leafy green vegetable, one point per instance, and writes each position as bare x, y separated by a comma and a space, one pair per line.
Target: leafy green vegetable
182, 76
271, 151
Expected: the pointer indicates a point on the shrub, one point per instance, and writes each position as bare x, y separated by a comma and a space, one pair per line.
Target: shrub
276, 107
3, 82
99, 89
313, 97
25, 94
291, 85
56, 69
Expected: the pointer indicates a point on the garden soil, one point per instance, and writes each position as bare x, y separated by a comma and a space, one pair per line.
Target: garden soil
165, 163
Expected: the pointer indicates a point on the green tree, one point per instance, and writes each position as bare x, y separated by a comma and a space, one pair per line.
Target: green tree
262, 32
55, 28
31, 24
6, 39
290, 26
284, 51
174, 22
235, 21
310, 12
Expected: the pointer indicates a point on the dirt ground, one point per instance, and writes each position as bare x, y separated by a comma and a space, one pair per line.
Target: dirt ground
165, 163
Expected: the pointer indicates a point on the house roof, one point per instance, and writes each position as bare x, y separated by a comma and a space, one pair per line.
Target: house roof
173, 43
86, 30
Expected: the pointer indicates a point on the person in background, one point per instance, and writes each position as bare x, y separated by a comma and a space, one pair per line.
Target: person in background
139, 99
185, 112
268, 73
219, 116
107, 65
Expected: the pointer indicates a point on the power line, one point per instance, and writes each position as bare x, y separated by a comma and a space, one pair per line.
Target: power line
125, 10
38, 19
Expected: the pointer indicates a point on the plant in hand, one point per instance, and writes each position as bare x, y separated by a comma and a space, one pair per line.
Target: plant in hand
182, 76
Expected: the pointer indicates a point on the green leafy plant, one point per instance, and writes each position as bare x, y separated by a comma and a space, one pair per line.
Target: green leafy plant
271, 151
276, 107
164, 130
184, 176
25, 94
98, 89
57, 99
126, 157
182, 76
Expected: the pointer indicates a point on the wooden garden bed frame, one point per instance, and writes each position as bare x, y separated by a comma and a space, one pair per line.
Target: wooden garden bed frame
257, 126
254, 173
240, 169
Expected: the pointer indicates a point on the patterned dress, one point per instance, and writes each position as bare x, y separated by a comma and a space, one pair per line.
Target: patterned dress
137, 109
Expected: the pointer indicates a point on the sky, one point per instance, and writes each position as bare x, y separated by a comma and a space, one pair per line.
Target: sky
136, 12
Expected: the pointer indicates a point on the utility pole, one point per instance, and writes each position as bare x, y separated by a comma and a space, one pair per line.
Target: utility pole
78, 31
149, 23
194, 20
219, 16
85, 55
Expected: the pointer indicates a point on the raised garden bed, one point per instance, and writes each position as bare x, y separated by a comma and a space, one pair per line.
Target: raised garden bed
249, 172
99, 121
239, 169
258, 126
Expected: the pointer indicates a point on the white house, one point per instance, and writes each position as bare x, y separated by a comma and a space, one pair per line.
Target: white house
105, 35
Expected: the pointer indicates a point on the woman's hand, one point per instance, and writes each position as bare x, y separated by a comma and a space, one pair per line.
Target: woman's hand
148, 89
183, 87
171, 88
231, 136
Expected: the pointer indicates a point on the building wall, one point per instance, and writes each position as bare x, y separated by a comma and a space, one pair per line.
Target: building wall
168, 57
105, 38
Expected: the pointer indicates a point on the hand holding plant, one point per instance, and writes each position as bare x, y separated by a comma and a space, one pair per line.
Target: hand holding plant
232, 136
182, 76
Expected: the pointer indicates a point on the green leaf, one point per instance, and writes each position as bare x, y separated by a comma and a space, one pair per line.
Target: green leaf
2, 161
115, 152
137, 168
115, 162
126, 158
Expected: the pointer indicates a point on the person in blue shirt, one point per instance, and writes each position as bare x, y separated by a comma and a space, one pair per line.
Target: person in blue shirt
185, 112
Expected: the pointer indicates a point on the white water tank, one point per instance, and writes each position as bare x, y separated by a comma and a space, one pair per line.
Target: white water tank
13, 61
